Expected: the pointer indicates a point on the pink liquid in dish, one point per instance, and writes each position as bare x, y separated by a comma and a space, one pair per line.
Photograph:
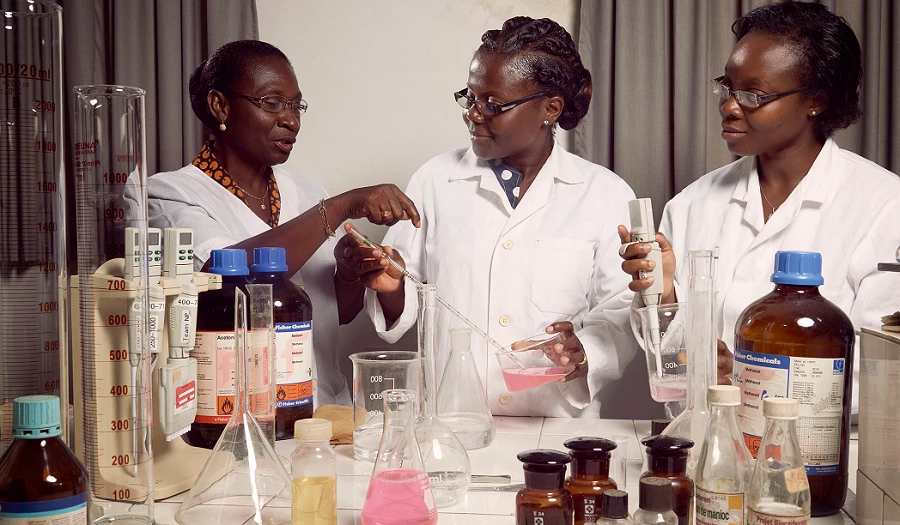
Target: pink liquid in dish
399, 497
524, 378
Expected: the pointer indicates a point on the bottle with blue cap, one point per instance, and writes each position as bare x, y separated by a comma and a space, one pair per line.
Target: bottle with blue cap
294, 359
214, 349
41, 480
794, 343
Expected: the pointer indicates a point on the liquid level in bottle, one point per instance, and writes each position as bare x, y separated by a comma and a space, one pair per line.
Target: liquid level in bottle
314, 501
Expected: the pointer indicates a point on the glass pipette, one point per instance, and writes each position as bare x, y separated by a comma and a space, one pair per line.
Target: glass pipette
365, 240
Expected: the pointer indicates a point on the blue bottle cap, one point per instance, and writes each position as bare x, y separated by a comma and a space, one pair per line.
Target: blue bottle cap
269, 260
36, 417
229, 262
803, 268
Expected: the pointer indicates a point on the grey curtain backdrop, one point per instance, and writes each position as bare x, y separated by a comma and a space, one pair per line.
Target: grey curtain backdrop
653, 119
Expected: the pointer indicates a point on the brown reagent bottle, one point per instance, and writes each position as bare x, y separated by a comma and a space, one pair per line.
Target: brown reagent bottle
544, 500
589, 475
667, 458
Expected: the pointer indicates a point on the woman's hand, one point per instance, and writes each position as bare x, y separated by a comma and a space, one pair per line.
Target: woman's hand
724, 363
635, 261
569, 351
382, 204
367, 264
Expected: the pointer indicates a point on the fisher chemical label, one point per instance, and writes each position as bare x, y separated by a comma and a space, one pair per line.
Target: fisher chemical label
65, 511
715, 508
760, 518
817, 385
214, 352
294, 364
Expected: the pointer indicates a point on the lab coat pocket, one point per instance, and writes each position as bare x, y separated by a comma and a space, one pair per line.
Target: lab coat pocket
562, 274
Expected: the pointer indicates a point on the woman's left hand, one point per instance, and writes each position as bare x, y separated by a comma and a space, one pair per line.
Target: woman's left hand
569, 351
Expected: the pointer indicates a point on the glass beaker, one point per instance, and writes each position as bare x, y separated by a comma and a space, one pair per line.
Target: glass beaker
33, 276
667, 365
400, 490
461, 402
114, 362
526, 364
446, 460
374, 372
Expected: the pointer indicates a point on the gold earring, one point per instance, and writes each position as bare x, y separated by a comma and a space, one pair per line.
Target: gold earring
222, 126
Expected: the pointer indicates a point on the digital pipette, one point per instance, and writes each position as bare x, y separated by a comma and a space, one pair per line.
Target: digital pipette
365, 240
641, 213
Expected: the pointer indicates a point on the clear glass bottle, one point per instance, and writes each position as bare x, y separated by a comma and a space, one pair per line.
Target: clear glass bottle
314, 473
667, 457
723, 472
795, 343
41, 480
779, 489
544, 500
399, 491
461, 402
655, 503
614, 508
589, 475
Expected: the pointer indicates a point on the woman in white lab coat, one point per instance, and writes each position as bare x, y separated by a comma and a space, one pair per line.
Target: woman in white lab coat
517, 233
791, 81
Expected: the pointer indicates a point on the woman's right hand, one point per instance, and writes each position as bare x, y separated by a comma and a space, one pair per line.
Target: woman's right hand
370, 266
381, 204
635, 261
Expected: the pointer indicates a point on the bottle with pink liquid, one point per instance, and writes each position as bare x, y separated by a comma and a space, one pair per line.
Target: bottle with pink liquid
399, 491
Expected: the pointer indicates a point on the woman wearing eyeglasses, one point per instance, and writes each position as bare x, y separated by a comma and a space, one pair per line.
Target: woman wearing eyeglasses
514, 228
791, 82
233, 195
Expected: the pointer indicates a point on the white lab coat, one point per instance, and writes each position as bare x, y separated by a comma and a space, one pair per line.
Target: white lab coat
188, 198
846, 208
515, 271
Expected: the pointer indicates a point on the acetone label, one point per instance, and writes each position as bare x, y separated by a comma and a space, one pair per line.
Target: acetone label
65, 511
214, 352
294, 364
817, 385
715, 508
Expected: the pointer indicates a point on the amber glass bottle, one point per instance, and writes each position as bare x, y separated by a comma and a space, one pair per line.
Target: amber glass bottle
589, 476
795, 343
544, 500
292, 314
667, 458
41, 481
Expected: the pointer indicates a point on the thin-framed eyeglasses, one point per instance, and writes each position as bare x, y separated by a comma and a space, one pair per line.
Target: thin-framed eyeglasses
746, 98
489, 109
277, 103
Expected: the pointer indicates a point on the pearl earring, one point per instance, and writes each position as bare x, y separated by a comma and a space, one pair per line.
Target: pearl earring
813, 113
222, 126
546, 122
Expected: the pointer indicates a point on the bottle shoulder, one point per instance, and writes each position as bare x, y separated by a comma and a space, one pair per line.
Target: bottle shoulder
28, 464
795, 318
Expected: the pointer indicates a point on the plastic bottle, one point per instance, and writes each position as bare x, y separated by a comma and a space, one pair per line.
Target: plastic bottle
214, 350
461, 402
667, 457
794, 343
589, 476
614, 508
655, 503
314, 473
779, 490
723, 471
294, 359
544, 500
41, 481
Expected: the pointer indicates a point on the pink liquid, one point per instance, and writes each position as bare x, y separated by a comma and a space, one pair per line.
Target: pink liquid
524, 378
399, 497
667, 393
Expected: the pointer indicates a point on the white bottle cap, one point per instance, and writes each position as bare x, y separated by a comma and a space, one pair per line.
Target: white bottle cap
724, 395
312, 429
460, 339
780, 408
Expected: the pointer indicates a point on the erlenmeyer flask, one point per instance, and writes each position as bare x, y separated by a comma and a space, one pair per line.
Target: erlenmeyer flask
243, 481
461, 402
701, 347
399, 491
446, 461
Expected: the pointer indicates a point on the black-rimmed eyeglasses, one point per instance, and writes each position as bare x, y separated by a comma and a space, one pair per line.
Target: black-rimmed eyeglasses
746, 98
276, 104
489, 109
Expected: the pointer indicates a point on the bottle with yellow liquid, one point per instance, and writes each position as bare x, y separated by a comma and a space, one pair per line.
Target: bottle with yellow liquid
314, 473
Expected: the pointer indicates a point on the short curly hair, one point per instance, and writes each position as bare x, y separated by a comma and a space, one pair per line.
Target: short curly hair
222, 70
828, 52
548, 56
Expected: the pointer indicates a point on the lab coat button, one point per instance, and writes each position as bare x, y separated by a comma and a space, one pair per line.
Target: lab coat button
505, 320
505, 399
508, 244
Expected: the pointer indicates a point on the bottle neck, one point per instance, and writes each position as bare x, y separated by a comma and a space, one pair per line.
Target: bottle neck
800, 289
267, 277
668, 465
590, 468
545, 480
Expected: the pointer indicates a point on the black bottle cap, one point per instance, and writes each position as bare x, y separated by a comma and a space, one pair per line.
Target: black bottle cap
544, 460
667, 446
655, 494
590, 446
657, 426
614, 504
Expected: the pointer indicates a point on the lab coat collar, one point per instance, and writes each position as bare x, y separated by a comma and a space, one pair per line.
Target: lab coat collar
558, 166
813, 188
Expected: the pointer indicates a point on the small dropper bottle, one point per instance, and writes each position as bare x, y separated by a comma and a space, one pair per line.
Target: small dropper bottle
655, 503
614, 508
314, 473
589, 475
544, 500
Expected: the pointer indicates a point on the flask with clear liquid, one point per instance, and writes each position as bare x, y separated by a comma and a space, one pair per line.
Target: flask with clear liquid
461, 402
445, 457
399, 491
314, 473
723, 472
779, 489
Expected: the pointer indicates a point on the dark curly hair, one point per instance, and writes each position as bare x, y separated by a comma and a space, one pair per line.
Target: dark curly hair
548, 56
223, 69
828, 54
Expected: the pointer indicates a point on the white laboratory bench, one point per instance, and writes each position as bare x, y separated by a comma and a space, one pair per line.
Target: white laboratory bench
514, 434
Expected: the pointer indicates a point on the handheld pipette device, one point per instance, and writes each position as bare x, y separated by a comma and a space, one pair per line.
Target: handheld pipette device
642, 230
368, 242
